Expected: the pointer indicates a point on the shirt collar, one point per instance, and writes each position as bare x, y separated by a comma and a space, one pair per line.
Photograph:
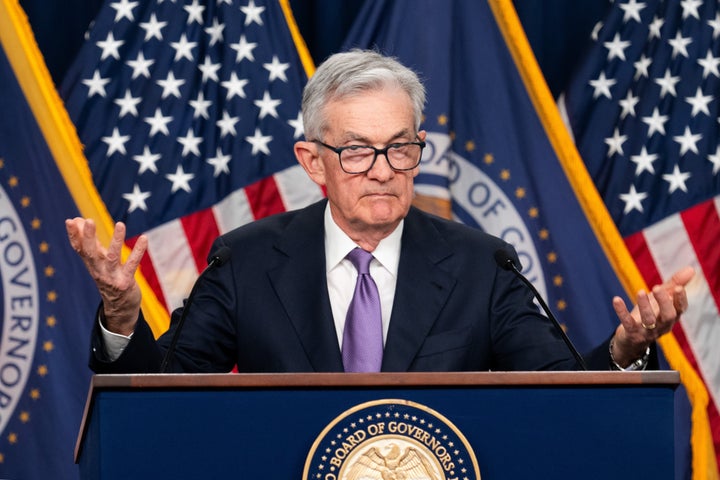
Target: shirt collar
338, 245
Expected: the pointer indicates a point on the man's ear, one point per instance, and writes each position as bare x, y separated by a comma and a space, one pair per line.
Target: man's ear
308, 157
421, 135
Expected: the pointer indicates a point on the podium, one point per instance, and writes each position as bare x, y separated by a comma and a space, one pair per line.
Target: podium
559, 425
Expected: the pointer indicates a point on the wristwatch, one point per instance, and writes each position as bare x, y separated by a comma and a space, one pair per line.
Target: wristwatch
639, 364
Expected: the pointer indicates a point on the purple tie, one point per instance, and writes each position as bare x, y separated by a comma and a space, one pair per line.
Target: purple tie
362, 347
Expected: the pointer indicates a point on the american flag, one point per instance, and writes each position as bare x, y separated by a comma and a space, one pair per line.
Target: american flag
644, 111
188, 111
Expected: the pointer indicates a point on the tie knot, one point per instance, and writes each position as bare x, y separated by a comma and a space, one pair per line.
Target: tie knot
360, 259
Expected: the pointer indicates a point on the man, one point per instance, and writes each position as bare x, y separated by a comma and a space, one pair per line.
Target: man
284, 300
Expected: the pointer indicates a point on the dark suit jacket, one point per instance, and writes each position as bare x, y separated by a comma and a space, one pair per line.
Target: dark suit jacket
267, 309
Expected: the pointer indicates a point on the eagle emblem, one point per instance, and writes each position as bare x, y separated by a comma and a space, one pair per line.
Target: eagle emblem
391, 439
396, 464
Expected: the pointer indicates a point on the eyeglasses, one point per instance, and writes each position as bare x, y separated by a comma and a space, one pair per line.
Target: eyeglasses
356, 159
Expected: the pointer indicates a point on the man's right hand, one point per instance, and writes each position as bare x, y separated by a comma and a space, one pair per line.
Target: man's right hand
115, 280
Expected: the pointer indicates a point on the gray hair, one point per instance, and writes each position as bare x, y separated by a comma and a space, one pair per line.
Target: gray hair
350, 73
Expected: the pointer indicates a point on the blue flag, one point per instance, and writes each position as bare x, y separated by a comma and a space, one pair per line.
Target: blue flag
47, 296
499, 157
489, 153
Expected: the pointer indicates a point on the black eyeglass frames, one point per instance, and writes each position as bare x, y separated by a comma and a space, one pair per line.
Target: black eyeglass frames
356, 159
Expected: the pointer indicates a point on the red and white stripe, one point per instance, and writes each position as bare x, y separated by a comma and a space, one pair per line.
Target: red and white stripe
177, 250
691, 237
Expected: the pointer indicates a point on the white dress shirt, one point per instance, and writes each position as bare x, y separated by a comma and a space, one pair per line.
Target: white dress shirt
342, 275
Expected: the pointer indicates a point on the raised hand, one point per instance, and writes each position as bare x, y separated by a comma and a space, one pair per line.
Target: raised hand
653, 316
115, 280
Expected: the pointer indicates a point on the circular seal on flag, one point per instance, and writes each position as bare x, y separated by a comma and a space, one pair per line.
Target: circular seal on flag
20, 308
477, 201
391, 439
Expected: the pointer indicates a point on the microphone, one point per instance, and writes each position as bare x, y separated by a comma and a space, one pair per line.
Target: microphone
506, 262
220, 257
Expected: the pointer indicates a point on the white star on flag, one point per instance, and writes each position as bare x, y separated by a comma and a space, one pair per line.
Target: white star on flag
178, 104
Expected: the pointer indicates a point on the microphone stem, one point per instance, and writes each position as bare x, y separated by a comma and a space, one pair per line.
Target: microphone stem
550, 315
176, 335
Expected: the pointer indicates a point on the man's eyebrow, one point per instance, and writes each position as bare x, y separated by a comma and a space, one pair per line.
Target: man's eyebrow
356, 137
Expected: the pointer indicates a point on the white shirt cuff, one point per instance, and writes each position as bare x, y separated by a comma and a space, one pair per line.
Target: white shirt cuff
114, 343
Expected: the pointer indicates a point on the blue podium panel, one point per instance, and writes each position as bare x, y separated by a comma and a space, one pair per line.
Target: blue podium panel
586, 425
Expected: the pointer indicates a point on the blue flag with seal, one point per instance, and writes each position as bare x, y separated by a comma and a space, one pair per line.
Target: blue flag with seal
48, 299
500, 158
489, 157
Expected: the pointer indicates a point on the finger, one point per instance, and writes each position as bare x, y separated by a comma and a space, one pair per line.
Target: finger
682, 277
89, 242
72, 226
666, 307
133, 260
623, 314
680, 300
648, 314
116, 244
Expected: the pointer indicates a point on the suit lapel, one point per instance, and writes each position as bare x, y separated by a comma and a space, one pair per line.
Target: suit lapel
421, 291
300, 283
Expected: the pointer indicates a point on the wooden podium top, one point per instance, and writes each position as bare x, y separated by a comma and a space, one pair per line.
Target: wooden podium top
318, 380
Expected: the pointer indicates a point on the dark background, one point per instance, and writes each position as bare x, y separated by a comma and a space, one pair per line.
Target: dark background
558, 30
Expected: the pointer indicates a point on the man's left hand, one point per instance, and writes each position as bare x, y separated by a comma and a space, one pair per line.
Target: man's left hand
653, 316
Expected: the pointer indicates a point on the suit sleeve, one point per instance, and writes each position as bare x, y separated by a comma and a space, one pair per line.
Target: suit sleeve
142, 354
206, 343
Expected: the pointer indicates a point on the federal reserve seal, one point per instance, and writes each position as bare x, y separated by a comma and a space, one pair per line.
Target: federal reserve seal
20, 319
391, 439
478, 201
19, 314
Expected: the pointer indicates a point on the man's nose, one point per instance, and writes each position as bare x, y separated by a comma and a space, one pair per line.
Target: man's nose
381, 169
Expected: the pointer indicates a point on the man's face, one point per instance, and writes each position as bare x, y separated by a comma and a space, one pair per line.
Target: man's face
373, 202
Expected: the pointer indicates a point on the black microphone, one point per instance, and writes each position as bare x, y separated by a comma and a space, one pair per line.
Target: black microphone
506, 262
220, 257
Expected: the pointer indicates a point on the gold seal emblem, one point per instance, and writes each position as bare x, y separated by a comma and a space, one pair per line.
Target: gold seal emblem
391, 440
402, 459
